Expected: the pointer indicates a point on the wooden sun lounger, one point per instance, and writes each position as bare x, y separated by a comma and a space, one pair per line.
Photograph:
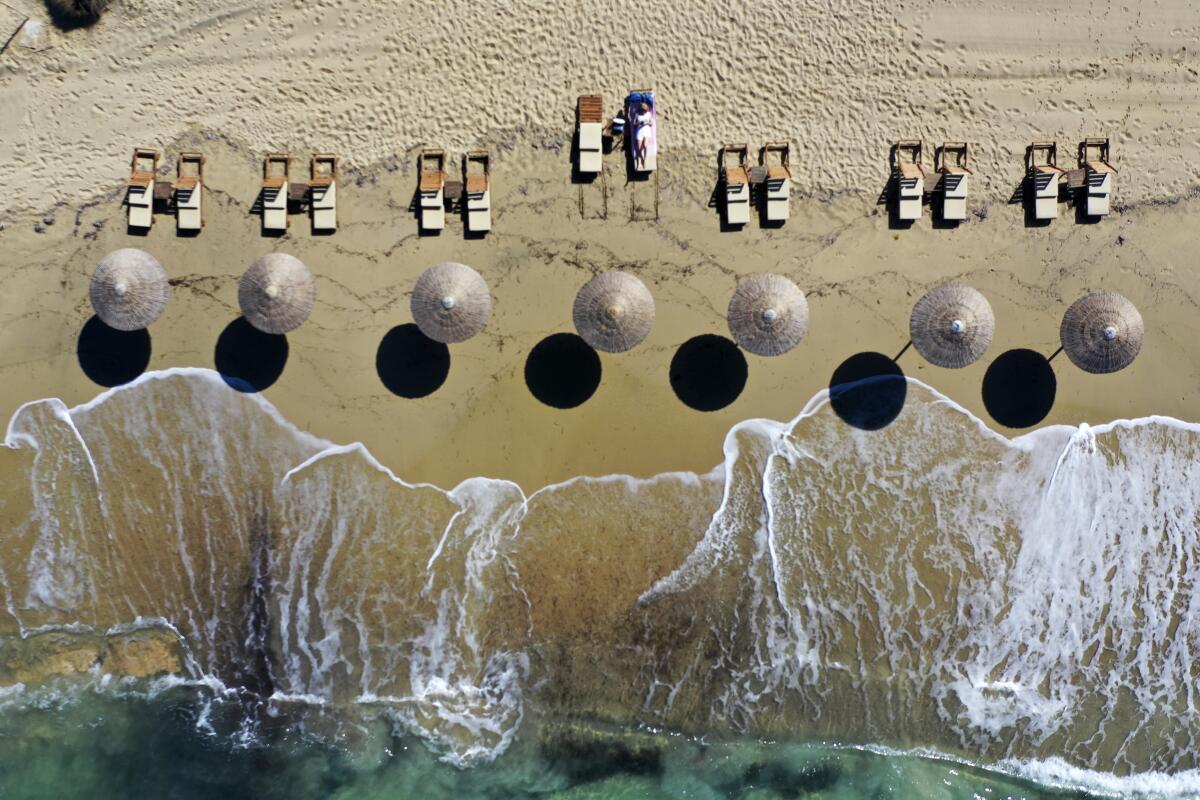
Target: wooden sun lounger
277, 168
736, 183
189, 192
955, 174
322, 184
431, 168
1100, 175
139, 196
910, 179
477, 176
778, 189
590, 114
1045, 176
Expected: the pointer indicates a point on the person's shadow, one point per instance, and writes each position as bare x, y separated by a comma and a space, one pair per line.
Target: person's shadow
1019, 388
562, 371
248, 359
110, 357
410, 364
867, 391
708, 372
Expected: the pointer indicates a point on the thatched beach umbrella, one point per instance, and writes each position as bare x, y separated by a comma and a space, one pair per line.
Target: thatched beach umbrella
1102, 332
952, 325
614, 312
129, 289
277, 293
451, 302
768, 315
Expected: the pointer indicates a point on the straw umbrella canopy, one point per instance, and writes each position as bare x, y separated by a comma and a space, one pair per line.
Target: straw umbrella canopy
451, 302
277, 293
952, 325
1102, 332
129, 289
614, 312
768, 315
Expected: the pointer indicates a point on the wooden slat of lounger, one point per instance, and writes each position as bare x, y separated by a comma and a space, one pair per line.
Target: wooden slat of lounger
591, 108
432, 181
321, 180
735, 175
186, 182
909, 170
142, 179
274, 183
776, 171
476, 184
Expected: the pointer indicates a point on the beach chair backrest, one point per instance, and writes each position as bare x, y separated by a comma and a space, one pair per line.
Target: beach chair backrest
590, 108
323, 165
277, 165
1043, 154
738, 151
953, 155
432, 160
191, 165
477, 162
782, 151
1093, 149
144, 160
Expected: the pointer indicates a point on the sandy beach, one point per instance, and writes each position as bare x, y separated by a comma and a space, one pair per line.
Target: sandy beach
840, 85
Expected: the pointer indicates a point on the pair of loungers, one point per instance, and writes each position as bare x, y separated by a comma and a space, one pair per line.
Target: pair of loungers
639, 122
475, 190
186, 194
951, 178
773, 174
278, 191
1094, 174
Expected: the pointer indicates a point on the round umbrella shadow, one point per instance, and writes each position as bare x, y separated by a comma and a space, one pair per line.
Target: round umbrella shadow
562, 371
248, 359
110, 357
410, 364
1019, 388
868, 390
708, 372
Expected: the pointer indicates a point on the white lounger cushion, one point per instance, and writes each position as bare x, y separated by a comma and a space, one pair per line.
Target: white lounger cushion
479, 211
1099, 192
275, 204
909, 203
324, 207
590, 147
141, 206
954, 208
737, 204
433, 211
954, 196
1045, 188
188, 215
779, 193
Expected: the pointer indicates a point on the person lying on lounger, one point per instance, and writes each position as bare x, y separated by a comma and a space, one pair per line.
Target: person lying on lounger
643, 123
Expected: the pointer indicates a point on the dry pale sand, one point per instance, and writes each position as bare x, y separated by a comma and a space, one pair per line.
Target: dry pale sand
372, 82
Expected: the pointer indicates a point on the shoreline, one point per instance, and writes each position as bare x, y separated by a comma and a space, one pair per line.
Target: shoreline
860, 277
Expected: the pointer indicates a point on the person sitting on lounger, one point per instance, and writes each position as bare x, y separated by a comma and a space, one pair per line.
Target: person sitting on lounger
643, 123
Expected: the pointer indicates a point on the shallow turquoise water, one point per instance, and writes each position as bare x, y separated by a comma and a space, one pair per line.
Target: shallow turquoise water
178, 744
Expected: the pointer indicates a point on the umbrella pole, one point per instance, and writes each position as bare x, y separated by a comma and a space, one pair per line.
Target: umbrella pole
903, 350
1055, 353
